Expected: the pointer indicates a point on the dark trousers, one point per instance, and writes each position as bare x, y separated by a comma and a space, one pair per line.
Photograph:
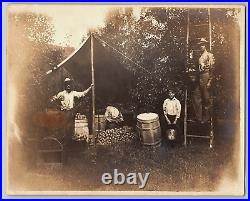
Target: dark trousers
69, 126
197, 102
172, 119
201, 98
205, 96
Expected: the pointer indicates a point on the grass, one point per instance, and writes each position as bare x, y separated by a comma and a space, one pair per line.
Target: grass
172, 168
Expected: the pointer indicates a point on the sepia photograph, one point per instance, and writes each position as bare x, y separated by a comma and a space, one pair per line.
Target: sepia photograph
125, 99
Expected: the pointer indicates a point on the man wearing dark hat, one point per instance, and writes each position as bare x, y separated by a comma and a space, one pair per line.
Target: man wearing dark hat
206, 68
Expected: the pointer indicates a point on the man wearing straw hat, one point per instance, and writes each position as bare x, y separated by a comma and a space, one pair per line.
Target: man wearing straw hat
206, 68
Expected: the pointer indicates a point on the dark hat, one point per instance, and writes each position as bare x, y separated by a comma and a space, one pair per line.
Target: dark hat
171, 90
203, 41
191, 71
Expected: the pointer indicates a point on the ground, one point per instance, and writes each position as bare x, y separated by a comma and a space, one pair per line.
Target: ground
172, 167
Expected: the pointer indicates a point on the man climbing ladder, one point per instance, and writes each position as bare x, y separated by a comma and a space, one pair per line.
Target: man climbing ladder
200, 66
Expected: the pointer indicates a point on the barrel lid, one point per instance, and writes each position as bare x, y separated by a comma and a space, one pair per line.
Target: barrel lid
80, 116
147, 116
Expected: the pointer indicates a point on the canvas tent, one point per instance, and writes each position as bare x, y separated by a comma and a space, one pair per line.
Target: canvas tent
111, 78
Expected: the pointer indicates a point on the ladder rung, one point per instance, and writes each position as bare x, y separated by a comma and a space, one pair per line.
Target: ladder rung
199, 25
194, 47
194, 42
194, 121
190, 120
197, 38
198, 136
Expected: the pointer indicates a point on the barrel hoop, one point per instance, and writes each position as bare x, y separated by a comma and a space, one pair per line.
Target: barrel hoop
156, 124
155, 143
146, 129
148, 121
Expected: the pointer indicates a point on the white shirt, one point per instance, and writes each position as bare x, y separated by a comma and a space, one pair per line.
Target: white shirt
67, 99
206, 61
172, 107
113, 114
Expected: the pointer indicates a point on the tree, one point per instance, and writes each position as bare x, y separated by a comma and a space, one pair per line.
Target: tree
226, 48
157, 42
30, 53
150, 35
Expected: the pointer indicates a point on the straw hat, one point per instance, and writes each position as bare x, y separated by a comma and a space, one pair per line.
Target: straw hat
67, 80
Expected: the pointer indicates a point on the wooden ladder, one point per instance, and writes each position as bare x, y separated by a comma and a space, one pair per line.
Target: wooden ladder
198, 26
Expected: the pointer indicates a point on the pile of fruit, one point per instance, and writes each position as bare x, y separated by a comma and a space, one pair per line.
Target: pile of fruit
116, 136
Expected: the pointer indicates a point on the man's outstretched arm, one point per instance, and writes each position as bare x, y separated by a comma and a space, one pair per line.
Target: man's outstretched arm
83, 93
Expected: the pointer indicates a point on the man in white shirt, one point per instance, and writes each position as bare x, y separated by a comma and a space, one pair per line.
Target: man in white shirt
67, 96
113, 117
172, 108
67, 99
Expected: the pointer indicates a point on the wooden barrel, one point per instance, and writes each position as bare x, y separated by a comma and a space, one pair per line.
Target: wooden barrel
81, 128
148, 128
100, 122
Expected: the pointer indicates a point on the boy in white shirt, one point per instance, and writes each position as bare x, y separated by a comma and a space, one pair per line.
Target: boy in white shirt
172, 108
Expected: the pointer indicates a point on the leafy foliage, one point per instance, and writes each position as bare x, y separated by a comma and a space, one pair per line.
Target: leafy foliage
30, 54
157, 42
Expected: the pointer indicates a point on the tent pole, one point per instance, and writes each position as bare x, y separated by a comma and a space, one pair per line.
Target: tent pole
186, 89
93, 89
210, 30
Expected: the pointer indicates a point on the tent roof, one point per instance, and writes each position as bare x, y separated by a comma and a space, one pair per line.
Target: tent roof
112, 80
